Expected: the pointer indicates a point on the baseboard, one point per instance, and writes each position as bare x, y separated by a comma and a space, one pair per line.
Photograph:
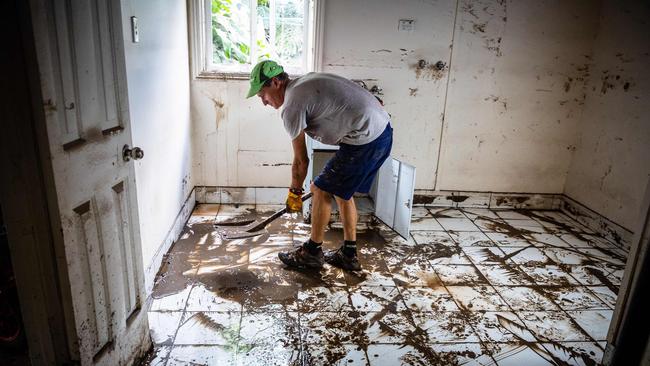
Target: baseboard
172, 235
492, 200
597, 222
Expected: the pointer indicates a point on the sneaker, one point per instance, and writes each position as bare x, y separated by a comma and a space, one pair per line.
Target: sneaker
338, 259
301, 258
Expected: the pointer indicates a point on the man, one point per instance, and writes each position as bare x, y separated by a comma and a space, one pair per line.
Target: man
334, 111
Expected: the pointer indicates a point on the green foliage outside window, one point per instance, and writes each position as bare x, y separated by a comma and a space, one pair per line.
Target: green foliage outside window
230, 35
231, 31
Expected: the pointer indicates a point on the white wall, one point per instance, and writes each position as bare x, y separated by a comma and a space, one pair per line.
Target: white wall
512, 107
237, 141
610, 169
158, 85
515, 94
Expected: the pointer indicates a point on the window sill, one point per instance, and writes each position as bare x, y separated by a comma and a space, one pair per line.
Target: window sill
223, 75
217, 75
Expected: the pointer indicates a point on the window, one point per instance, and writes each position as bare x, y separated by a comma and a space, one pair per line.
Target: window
231, 36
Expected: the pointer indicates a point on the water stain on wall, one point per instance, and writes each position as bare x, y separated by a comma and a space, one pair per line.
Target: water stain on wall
220, 110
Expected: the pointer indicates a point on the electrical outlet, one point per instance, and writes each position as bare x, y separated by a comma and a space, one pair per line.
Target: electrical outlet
406, 25
135, 31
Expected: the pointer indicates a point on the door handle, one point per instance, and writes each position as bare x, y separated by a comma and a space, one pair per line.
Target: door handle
136, 153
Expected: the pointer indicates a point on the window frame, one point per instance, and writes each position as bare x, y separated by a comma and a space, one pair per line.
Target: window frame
200, 26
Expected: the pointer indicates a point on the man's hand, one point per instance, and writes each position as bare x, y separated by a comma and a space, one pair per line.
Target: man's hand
294, 200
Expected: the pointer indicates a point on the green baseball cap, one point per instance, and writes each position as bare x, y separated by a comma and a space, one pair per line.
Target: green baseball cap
262, 72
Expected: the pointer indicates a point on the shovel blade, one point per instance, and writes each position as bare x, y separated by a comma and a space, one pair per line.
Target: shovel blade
233, 223
236, 234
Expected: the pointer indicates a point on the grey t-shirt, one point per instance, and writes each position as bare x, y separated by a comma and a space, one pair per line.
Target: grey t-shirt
333, 110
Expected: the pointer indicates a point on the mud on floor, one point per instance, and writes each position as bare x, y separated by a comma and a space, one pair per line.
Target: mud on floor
471, 286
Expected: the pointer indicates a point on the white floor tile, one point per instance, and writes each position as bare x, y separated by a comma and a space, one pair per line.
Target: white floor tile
576, 353
532, 256
504, 275
209, 328
163, 326
552, 325
505, 240
477, 298
425, 299
458, 224
432, 237
485, 255
202, 299
488, 328
446, 212
459, 274
419, 211
471, 239
575, 298
518, 355
367, 298
475, 213
172, 302
548, 275
526, 298
445, 327
511, 215
425, 223
594, 322
547, 240
605, 294
202, 355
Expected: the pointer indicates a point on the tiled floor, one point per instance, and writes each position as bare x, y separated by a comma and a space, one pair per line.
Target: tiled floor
471, 286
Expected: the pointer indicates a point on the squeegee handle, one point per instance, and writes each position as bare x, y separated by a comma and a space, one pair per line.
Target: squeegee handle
307, 196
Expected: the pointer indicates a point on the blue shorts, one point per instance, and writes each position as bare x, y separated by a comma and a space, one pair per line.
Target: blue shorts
353, 167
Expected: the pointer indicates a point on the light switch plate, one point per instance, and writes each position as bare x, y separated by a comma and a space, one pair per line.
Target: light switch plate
406, 25
135, 31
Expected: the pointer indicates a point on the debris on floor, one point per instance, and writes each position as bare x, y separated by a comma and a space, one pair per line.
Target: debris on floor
471, 286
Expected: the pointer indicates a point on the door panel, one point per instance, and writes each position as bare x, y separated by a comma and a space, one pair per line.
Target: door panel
393, 195
81, 62
386, 183
404, 199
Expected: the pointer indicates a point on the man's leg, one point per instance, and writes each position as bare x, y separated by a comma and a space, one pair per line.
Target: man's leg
321, 208
310, 255
346, 256
348, 212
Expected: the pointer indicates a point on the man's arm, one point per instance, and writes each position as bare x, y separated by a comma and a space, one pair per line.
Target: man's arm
300, 161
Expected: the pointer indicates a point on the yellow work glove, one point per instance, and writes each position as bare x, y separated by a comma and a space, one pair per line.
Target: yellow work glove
294, 201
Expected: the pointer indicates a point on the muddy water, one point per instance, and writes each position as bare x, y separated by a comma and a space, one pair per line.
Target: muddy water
327, 302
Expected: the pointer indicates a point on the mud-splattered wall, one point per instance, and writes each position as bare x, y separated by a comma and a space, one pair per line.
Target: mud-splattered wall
484, 95
159, 103
611, 168
516, 94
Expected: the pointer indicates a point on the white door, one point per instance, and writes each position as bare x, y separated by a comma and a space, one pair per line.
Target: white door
393, 195
80, 51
